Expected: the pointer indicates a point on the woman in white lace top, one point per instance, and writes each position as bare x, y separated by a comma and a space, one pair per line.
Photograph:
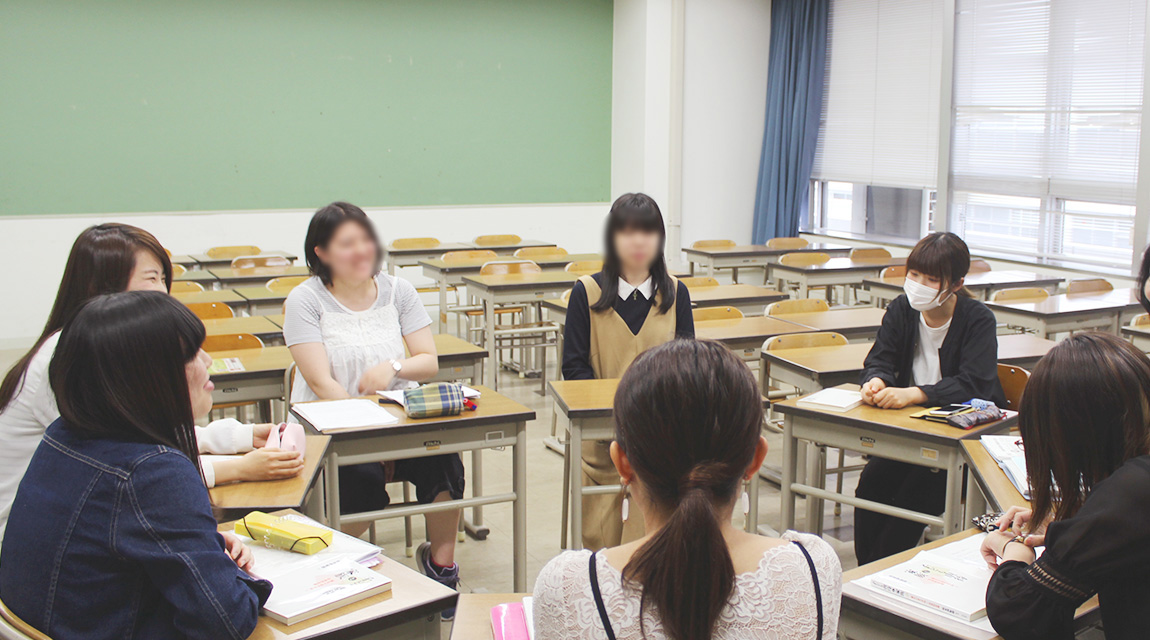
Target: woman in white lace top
687, 437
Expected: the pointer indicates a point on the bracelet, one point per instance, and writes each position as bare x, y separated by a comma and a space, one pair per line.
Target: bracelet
1018, 539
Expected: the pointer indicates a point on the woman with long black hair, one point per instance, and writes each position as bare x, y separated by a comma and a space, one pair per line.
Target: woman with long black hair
634, 304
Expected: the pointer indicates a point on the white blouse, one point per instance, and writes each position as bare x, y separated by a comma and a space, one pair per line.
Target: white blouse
775, 602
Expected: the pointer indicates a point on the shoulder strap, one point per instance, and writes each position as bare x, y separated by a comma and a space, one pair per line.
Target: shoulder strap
594, 574
818, 590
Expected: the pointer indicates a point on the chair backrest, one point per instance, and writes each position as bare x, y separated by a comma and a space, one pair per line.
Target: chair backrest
497, 238
415, 243
978, 266
1089, 285
897, 271
1140, 320
699, 281
712, 244
232, 341
211, 310
869, 253
250, 262
504, 267
168, 252
540, 252
716, 313
804, 340
798, 305
11, 626
284, 284
179, 269
803, 259
1013, 380
464, 256
183, 286
788, 243
584, 267
1021, 294
233, 251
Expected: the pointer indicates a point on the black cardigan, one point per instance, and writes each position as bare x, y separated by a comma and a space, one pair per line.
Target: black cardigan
968, 357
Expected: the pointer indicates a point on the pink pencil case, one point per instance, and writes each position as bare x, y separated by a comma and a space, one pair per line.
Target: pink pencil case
288, 437
509, 622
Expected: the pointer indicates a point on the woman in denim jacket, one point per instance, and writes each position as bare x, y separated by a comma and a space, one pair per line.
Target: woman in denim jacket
111, 534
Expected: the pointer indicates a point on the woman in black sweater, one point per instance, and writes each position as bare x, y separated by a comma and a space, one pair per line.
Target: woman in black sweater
936, 346
1085, 423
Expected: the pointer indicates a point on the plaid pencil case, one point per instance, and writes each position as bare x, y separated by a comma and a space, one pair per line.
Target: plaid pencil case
434, 400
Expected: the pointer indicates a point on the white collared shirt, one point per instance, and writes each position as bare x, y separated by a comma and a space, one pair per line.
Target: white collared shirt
625, 288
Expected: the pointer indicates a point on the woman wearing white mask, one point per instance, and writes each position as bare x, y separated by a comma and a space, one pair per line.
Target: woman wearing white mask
937, 346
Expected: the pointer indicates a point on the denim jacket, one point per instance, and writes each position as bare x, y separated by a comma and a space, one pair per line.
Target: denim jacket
112, 539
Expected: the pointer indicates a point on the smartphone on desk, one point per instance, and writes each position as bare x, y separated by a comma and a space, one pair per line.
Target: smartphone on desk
949, 410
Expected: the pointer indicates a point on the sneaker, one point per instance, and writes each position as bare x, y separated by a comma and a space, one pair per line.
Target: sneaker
447, 577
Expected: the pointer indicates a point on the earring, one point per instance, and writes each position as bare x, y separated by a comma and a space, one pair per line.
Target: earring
745, 501
626, 502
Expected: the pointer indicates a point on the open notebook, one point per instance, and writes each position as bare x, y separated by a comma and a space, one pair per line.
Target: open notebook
345, 414
1007, 451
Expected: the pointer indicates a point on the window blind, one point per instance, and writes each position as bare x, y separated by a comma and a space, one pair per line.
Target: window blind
881, 94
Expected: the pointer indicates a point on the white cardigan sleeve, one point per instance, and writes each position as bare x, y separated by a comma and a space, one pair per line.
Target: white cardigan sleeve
225, 436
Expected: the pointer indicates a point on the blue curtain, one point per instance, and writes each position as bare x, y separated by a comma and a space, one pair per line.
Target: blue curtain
794, 107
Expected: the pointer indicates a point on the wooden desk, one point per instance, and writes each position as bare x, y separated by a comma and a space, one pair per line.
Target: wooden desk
507, 249
1139, 336
498, 422
982, 285
748, 298
205, 278
410, 610
867, 615
261, 300
855, 323
752, 255
812, 368
225, 296
1071, 312
999, 492
458, 359
886, 433
745, 336
473, 614
261, 381
516, 288
229, 277
832, 273
395, 258
259, 326
186, 261
449, 274
204, 261
240, 498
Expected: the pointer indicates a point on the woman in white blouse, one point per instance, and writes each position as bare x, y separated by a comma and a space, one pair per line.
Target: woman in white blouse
687, 437
348, 327
109, 258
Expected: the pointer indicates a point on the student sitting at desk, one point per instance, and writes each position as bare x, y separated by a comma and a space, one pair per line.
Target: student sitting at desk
1085, 422
688, 436
612, 317
111, 533
347, 327
109, 258
937, 346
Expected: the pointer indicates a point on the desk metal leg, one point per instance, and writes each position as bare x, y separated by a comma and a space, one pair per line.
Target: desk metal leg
575, 479
752, 523
790, 462
953, 516
474, 527
442, 315
519, 508
331, 482
492, 364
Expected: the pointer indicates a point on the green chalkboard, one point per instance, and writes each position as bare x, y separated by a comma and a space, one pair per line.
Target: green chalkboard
185, 105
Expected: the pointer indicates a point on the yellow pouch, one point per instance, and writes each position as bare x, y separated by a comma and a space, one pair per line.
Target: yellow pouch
286, 534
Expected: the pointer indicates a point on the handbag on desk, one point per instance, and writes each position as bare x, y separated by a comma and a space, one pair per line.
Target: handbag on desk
434, 400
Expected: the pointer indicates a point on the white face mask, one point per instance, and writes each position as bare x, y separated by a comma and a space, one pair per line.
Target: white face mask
922, 297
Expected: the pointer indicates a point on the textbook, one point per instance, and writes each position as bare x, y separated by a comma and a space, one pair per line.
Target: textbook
318, 585
226, 365
271, 559
344, 414
948, 581
1010, 455
832, 399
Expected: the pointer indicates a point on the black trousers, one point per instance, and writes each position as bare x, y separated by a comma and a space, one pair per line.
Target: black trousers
901, 485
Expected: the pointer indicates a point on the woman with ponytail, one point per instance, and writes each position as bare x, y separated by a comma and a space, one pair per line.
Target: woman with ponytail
688, 419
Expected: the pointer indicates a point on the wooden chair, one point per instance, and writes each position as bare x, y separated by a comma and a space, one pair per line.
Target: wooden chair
179, 270
897, 271
804, 340
415, 243
540, 252
698, 281
1140, 320
464, 256
14, 628
870, 253
584, 267
509, 267
284, 284
788, 243
168, 252
1021, 294
233, 251
803, 259
978, 266
1089, 285
458, 307
518, 334
251, 262
183, 286
797, 305
497, 239
1013, 380
211, 310
231, 342
716, 313
712, 244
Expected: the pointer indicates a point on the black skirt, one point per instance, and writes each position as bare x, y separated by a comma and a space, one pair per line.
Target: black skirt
362, 487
